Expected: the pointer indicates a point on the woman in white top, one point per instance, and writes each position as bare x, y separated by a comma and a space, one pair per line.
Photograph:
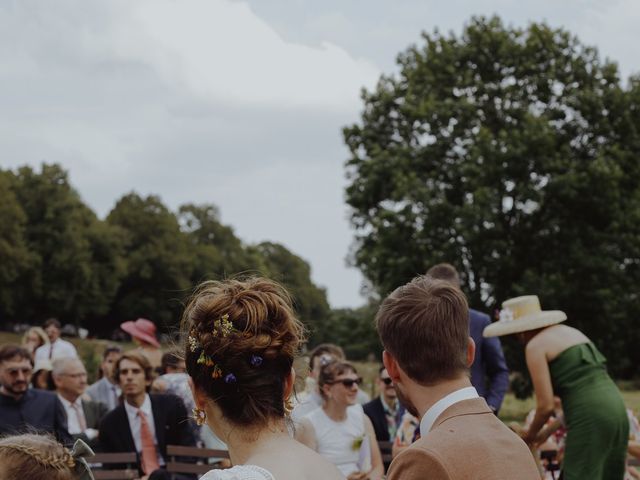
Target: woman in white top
339, 430
241, 339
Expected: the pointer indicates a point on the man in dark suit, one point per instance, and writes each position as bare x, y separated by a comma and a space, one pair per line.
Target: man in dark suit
424, 329
24, 409
384, 411
489, 372
144, 423
83, 416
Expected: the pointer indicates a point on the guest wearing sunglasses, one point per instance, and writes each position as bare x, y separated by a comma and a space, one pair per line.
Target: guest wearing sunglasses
384, 411
339, 430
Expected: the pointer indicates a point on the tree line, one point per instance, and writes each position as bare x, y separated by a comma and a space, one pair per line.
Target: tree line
57, 258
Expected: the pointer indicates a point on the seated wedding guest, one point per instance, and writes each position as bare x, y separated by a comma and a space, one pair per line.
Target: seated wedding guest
143, 333
106, 390
384, 411
310, 399
83, 416
57, 347
241, 339
563, 361
144, 423
424, 329
23, 409
41, 377
40, 457
339, 430
33, 338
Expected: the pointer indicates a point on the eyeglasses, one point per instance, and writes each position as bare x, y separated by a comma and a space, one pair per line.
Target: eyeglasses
387, 381
349, 382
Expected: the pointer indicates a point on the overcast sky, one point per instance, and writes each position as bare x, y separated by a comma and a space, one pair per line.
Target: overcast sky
236, 103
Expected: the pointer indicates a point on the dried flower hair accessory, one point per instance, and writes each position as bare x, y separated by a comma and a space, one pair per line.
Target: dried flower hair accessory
223, 327
205, 360
256, 360
230, 378
193, 341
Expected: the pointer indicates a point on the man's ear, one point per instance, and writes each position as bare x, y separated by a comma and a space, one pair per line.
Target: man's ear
391, 364
471, 352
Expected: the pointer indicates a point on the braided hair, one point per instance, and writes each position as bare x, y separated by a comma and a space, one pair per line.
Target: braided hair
35, 457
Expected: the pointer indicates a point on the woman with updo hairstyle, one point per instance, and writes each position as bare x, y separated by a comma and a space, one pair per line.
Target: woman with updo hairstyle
339, 430
241, 337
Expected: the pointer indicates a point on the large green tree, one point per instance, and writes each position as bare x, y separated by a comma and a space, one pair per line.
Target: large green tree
74, 264
512, 153
158, 262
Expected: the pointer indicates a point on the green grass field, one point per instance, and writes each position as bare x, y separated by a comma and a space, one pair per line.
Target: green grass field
512, 409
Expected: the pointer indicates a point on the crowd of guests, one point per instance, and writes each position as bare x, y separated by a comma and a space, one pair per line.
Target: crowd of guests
442, 384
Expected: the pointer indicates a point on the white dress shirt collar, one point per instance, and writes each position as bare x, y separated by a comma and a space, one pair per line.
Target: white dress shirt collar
73, 425
132, 411
441, 405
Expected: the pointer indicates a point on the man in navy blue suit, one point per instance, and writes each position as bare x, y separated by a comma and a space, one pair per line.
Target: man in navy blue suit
489, 372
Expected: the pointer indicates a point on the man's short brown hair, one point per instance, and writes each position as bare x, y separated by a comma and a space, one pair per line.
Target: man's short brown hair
135, 357
424, 325
445, 271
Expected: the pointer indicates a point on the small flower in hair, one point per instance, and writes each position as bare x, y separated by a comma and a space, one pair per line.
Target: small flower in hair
256, 360
217, 372
230, 378
205, 360
193, 341
223, 327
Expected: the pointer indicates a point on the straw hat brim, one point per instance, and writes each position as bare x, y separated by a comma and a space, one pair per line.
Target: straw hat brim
525, 323
132, 329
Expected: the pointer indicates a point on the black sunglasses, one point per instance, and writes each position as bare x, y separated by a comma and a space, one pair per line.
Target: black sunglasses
349, 382
387, 381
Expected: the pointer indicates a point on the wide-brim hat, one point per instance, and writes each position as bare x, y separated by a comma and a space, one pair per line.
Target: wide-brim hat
142, 329
522, 314
43, 364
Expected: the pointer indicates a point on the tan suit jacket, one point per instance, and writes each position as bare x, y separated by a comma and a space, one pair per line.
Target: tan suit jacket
466, 442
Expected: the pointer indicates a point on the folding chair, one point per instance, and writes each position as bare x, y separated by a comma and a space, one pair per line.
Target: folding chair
99, 460
200, 456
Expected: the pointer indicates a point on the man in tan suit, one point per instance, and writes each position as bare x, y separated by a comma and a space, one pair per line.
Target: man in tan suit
424, 328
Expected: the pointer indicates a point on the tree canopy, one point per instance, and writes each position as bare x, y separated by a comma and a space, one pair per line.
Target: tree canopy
513, 154
57, 258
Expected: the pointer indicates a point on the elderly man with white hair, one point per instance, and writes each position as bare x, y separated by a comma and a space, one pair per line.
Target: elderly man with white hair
83, 416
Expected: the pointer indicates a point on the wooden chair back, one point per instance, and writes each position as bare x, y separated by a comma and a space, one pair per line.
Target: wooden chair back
200, 463
100, 460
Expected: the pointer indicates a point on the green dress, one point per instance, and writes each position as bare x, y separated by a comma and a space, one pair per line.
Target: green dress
595, 415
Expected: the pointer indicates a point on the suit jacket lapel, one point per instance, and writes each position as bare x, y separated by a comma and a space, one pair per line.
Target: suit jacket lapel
124, 427
159, 420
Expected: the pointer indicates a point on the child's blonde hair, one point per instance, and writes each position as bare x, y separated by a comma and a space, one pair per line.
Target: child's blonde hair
35, 457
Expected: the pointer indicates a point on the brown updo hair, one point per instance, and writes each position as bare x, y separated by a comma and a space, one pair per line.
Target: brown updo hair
246, 365
331, 371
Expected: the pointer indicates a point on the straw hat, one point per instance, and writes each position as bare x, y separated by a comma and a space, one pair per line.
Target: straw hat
142, 329
521, 314
43, 364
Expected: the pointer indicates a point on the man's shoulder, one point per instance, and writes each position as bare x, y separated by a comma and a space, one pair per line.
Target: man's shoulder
94, 387
478, 316
37, 395
418, 459
372, 405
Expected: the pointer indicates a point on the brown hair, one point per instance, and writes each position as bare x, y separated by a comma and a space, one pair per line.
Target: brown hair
35, 457
136, 357
446, 272
170, 359
9, 352
326, 349
52, 322
425, 326
241, 339
331, 371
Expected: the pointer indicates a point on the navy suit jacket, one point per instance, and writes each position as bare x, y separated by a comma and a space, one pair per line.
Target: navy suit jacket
170, 420
375, 412
489, 372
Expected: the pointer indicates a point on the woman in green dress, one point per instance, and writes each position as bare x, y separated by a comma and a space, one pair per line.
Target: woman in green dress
562, 361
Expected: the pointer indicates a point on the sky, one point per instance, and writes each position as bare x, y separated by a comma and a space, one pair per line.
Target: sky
236, 103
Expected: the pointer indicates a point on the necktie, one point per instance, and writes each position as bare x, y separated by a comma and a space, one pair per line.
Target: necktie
149, 454
51, 352
80, 416
114, 400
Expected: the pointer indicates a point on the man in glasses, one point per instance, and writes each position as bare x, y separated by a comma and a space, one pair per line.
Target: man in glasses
424, 329
23, 409
384, 411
